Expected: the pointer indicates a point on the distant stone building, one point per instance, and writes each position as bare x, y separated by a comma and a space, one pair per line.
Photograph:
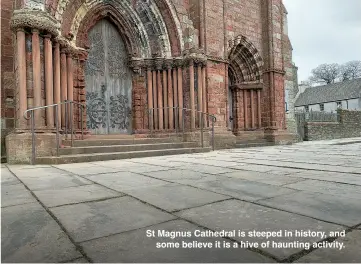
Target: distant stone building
328, 98
228, 58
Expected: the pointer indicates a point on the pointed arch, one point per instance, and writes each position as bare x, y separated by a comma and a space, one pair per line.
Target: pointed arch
245, 60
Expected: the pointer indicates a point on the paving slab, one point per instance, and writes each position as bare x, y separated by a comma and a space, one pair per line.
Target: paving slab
53, 181
174, 197
267, 178
180, 174
79, 260
29, 234
237, 215
206, 168
136, 168
351, 252
102, 218
348, 178
125, 248
72, 195
121, 181
7, 178
252, 167
37, 172
15, 194
244, 189
332, 208
91, 170
333, 188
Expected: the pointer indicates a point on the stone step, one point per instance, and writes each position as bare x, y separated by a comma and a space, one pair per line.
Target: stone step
108, 142
116, 155
125, 148
254, 145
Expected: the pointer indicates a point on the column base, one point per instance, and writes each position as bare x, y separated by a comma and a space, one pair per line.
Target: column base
280, 137
19, 146
223, 138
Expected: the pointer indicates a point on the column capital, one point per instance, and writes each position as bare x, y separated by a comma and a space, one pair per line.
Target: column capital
168, 64
35, 19
47, 36
159, 63
35, 30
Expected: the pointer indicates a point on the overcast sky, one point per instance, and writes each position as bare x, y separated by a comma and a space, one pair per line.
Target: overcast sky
323, 31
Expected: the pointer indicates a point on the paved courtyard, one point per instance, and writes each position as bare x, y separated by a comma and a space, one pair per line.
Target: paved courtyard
111, 211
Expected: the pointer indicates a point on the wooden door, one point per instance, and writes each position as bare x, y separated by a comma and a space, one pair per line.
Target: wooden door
108, 82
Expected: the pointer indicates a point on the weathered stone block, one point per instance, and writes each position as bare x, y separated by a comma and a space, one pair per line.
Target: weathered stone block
19, 146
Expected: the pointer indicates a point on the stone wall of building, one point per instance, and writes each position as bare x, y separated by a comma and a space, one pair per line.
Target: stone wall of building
348, 125
251, 34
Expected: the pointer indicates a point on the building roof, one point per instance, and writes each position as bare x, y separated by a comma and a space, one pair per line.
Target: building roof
330, 93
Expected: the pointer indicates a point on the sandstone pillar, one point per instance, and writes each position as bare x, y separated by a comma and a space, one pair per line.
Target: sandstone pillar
48, 54
63, 84
175, 97
191, 94
165, 98
170, 96
70, 87
200, 93
204, 94
259, 108
180, 92
57, 98
160, 95
252, 111
36, 77
21, 61
155, 100
150, 98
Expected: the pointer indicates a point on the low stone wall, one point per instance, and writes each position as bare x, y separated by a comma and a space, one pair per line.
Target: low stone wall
348, 125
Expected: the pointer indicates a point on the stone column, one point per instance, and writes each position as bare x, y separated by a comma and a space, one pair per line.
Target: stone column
165, 98
204, 93
259, 108
155, 99
70, 92
191, 94
200, 93
36, 77
252, 110
57, 98
63, 84
21, 61
150, 97
159, 64
175, 96
170, 96
245, 111
48, 54
180, 90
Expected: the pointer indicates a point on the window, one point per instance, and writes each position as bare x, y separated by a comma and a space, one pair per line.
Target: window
322, 107
307, 108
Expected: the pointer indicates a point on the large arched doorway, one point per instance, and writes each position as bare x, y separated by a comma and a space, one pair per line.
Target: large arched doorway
108, 81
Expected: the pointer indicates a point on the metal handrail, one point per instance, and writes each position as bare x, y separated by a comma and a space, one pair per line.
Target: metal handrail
178, 109
32, 118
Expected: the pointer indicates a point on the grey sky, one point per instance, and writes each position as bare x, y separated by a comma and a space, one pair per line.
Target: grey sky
323, 31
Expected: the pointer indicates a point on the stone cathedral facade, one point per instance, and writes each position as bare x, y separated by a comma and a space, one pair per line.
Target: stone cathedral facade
135, 64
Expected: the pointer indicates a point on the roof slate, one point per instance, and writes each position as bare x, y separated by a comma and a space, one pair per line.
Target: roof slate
330, 93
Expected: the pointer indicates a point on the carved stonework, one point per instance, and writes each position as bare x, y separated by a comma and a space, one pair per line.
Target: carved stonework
136, 64
35, 19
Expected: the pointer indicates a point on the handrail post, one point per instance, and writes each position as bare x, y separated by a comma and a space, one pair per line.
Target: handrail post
213, 133
176, 109
33, 150
201, 121
66, 119
71, 122
183, 124
57, 130
81, 122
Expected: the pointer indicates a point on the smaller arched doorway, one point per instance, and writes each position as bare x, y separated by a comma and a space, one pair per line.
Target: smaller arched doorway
108, 82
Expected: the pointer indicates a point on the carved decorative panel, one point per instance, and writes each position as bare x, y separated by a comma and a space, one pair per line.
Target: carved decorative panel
108, 82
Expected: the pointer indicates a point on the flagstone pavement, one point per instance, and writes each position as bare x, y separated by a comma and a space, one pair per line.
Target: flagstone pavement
108, 211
